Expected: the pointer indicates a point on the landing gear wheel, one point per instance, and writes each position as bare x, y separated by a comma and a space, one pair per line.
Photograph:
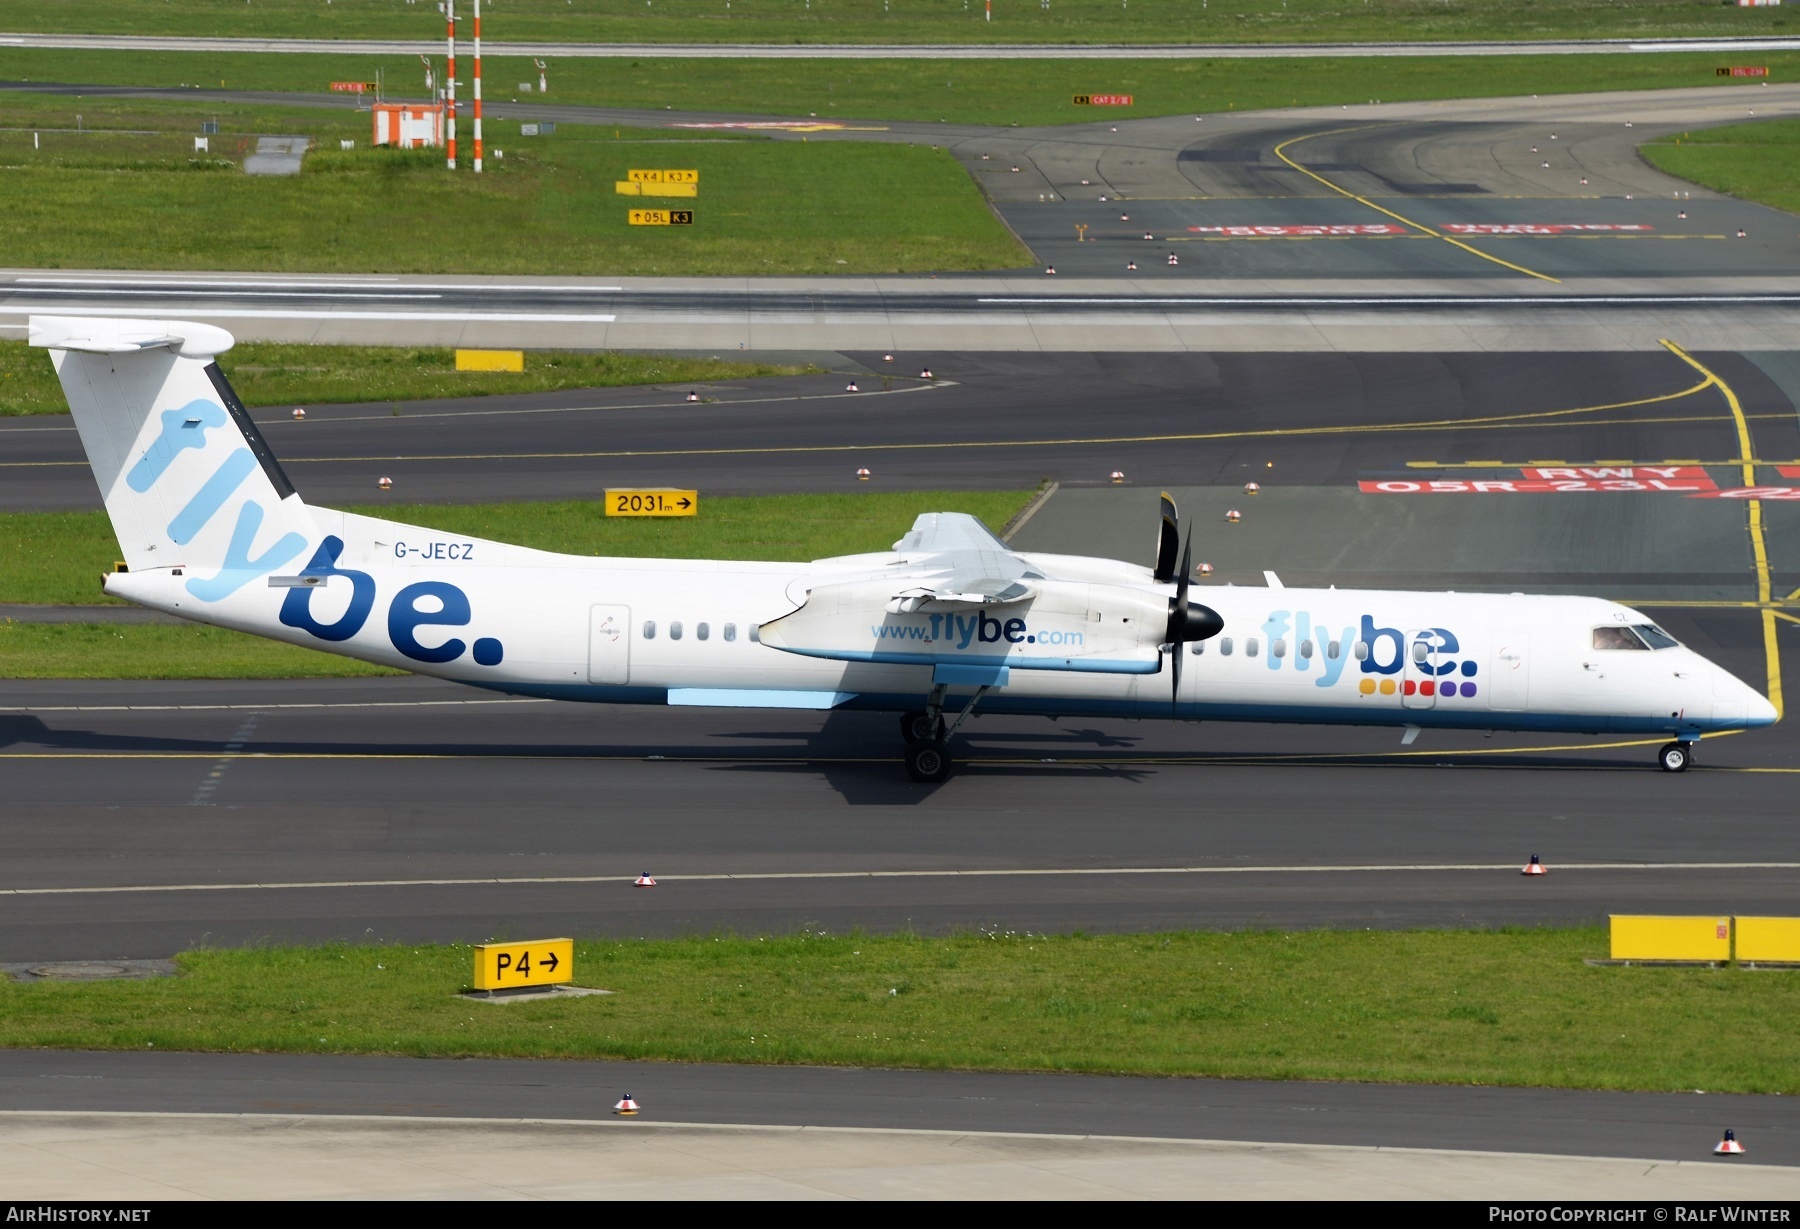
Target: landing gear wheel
918, 727
928, 762
1675, 757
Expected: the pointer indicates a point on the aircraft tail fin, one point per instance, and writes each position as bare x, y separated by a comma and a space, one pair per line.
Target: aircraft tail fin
187, 479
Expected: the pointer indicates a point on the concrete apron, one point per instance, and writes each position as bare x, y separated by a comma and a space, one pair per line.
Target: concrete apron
86, 1156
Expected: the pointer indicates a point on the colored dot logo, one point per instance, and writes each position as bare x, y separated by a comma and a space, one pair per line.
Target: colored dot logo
1425, 687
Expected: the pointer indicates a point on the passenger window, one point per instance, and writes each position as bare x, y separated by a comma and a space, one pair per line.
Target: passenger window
1421, 651
1306, 649
1197, 648
701, 631
1224, 646
755, 634
1655, 636
1616, 637
1362, 650
675, 630
730, 632
649, 629
1332, 650
1278, 647
1251, 648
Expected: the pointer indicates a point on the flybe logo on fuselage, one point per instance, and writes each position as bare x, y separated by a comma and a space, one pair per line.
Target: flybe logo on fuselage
1433, 654
961, 631
424, 604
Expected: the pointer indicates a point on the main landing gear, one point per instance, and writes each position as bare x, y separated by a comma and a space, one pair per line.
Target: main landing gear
1675, 757
927, 738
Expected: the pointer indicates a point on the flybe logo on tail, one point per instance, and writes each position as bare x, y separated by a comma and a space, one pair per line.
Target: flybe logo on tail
184, 429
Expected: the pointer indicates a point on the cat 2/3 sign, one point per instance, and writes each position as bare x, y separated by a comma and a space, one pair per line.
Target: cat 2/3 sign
514, 966
1102, 100
660, 217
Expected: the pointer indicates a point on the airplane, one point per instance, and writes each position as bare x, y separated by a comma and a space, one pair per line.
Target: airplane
949, 620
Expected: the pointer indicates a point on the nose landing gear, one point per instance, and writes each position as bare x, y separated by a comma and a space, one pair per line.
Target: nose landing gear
1675, 757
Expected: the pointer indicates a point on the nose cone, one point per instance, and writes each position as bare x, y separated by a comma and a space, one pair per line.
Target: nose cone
1737, 704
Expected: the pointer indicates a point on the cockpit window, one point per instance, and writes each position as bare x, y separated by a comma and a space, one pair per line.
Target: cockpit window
1655, 636
1616, 637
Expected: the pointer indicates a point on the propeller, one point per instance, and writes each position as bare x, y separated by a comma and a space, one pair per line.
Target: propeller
1168, 541
1188, 621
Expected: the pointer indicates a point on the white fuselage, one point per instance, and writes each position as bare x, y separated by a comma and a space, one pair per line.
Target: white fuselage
656, 631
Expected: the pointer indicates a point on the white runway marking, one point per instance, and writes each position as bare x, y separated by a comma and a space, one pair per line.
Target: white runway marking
237, 313
283, 284
213, 708
1046, 872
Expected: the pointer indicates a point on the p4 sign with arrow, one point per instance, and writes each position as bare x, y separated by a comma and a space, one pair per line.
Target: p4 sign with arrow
510, 966
659, 501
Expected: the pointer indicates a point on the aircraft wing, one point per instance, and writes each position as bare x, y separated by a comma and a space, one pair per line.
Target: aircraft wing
952, 558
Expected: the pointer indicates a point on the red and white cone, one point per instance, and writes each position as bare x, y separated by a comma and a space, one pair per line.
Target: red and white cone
887, 358
299, 414
645, 881
1118, 475
1203, 569
1533, 867
862, 475
693, 396
925, 373
626, 1106
1233, 516
1729, 1145
850, 387
385, 483
1251, 488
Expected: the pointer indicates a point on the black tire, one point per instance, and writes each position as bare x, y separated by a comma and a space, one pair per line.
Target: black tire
1675, 757
928, 762
917, 727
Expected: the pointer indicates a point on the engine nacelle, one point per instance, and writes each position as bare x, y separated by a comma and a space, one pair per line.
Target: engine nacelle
1057, 625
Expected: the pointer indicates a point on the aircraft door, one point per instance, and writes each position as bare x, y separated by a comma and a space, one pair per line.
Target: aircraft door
609, 644
1418, 681
1509, 672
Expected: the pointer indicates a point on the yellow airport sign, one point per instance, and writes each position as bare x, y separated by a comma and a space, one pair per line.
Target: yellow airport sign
510, 966
490, 360
662, 176
653, 502
660, 217
626, 187
1768, 938
1670, 938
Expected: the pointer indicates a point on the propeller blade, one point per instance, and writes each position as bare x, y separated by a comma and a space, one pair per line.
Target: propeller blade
1168, 541
1176, 652
1179, 604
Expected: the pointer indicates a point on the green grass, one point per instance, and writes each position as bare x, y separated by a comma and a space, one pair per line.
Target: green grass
58, 557
153, 651
960, 91
921, 21
1507, 1007
1757, 162
285, 373
116, 200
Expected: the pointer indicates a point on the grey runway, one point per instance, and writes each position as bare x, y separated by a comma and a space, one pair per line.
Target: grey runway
1663, 1126
406, 810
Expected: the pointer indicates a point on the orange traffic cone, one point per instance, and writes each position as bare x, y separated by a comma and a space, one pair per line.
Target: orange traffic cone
645, 881
1729, 1145
626, 1107
1533, 867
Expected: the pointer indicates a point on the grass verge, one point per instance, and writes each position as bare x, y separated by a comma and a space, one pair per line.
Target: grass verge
859, 92
282, 373
142, 199
1487, 1007
58, 557
916, 21
1756, 162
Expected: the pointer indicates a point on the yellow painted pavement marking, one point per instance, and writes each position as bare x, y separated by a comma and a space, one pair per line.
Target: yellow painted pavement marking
1758, 544
1363, 200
